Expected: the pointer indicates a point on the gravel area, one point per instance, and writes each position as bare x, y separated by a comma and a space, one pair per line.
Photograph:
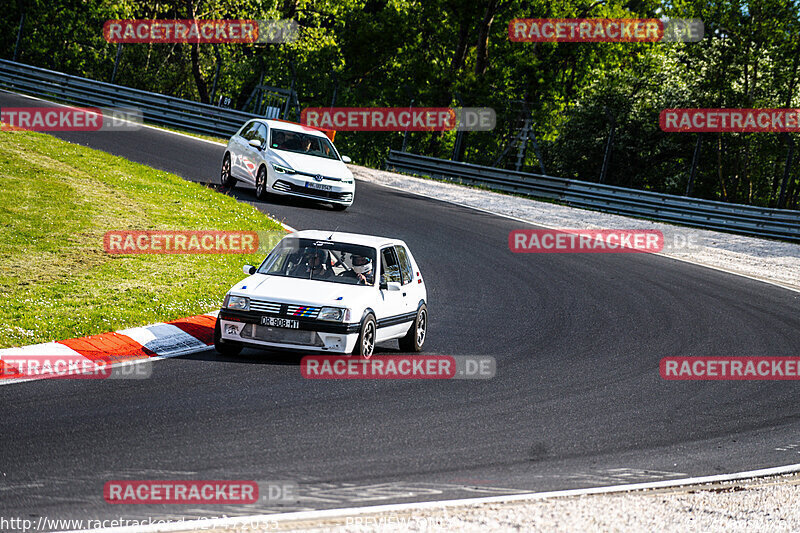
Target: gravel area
761, 504
765, 259
758, 505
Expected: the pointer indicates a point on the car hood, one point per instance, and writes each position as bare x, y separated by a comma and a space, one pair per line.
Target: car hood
314, 165
302, 291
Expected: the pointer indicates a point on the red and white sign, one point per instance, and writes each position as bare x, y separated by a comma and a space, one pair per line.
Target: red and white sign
585, 241
730, 120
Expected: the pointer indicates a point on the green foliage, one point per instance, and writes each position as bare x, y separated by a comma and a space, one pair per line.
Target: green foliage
390, 52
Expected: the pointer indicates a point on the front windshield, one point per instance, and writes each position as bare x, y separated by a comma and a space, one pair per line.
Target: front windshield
321, 260
303, 143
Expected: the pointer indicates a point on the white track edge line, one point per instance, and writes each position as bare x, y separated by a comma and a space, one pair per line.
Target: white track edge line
538, 224
143, 125
401, 507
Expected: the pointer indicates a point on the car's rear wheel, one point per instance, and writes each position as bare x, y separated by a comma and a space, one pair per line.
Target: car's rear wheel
225, 347
261, 184
366, 338
415, 337
226, 178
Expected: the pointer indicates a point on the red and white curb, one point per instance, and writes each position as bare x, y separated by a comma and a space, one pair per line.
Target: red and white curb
124, 347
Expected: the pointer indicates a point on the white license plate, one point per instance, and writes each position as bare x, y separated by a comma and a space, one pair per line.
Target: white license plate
319, 186
279, 322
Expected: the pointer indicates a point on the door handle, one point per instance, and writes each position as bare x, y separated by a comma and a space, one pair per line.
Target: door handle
404, 294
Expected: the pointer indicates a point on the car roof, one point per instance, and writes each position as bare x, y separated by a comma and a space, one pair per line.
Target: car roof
291, 126
349, 238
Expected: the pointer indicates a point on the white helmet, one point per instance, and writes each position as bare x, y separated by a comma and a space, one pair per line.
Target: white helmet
361, 264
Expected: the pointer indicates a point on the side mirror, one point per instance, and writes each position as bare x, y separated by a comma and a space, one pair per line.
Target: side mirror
393, 286
255, 143
249, 270
346, 159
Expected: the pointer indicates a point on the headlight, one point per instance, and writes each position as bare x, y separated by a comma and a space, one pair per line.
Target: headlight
282, 170
241, 303
334, 314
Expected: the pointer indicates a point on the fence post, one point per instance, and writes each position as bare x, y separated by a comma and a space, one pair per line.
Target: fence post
610, 141
116, 62
405, 135
19, 36
693, 171
786, 169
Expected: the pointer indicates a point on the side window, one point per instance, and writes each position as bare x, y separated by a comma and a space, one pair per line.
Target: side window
250, 131
405, 265
390, 270
261, 134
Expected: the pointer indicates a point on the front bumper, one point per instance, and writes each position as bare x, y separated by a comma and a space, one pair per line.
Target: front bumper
245, 327
299, 185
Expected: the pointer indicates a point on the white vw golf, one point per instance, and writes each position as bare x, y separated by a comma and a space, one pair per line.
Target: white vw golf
285, 158
327, 292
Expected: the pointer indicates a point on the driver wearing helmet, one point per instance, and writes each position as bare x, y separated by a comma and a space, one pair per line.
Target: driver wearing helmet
313, 265
362, 268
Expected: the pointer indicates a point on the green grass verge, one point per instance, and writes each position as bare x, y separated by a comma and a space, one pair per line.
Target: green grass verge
57, 200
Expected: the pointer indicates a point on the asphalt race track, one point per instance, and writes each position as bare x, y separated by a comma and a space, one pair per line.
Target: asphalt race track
577, 400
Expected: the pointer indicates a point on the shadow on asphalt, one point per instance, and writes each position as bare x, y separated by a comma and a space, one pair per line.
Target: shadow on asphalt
246, 193
272, 357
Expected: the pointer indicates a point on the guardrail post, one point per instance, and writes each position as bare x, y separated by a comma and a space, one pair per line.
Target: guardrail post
19, 36
693, 171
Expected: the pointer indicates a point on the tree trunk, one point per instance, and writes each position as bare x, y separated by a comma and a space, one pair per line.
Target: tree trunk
482, 50
202, 88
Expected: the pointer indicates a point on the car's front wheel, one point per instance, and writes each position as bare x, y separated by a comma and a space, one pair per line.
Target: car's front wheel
225, 177
225, 347
261, 184
415, 337
366, 338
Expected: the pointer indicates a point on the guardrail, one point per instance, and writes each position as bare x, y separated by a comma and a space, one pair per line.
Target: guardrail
155, 108
735, 218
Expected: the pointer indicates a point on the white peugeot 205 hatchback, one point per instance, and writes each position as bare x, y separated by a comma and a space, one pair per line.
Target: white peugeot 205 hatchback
327, 292
284, 158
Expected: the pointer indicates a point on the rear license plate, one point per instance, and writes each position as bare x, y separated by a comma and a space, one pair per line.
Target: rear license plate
319, 186
279, 322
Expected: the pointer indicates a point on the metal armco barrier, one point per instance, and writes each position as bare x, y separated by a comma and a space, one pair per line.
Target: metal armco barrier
155, 108
708, 214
